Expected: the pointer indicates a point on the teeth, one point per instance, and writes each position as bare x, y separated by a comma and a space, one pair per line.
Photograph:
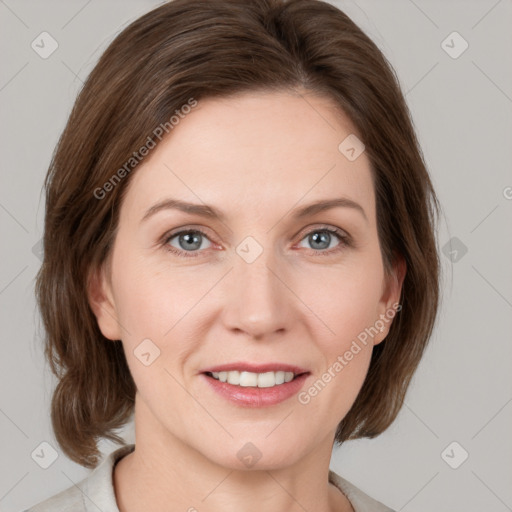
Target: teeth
249, 379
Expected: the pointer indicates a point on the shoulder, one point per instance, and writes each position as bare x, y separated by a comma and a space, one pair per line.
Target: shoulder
69, 500
94, 492
360, 501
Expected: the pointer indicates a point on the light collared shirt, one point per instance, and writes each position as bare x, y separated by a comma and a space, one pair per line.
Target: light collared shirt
96, 492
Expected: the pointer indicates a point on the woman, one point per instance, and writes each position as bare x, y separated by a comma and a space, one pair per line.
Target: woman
239, 251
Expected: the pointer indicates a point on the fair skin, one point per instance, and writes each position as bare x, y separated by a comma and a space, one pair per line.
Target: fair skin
257, 158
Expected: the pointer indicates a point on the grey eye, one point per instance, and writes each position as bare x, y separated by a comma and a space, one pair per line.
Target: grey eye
189, 240
321, 239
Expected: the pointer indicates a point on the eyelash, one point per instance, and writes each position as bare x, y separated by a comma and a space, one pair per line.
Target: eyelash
344, 239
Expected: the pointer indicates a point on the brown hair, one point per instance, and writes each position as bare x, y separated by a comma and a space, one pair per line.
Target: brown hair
195, 49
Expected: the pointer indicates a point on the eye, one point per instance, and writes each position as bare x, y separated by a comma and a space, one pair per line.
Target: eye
189, 242
323, 240
186, 242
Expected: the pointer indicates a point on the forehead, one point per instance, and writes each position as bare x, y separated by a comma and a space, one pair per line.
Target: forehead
251, 150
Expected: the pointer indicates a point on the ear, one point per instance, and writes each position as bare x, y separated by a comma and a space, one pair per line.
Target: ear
389, 304
101, 300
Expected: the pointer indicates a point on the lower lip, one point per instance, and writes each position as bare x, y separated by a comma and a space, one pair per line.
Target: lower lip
256, 397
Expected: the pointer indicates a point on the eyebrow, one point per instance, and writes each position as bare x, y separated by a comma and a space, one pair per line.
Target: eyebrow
205, 210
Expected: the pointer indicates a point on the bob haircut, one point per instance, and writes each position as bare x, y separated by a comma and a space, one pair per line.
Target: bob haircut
187, 49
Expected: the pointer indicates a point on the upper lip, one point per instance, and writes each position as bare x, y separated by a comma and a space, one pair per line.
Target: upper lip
256, 368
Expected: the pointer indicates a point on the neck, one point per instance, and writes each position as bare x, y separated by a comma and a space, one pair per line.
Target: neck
166, 473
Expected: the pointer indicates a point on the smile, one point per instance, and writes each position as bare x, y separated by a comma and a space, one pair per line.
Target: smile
250, 379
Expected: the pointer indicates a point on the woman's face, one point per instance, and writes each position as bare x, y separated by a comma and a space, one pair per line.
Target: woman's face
261, 285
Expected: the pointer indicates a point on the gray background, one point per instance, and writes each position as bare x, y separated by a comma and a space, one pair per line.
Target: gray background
462, 109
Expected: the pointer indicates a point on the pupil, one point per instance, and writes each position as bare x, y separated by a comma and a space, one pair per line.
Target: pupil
322, 238
191, 238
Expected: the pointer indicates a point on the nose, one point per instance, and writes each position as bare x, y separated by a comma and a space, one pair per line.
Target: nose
259, 302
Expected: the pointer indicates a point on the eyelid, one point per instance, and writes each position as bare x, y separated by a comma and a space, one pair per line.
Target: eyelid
166, 237
345, 239
320, 227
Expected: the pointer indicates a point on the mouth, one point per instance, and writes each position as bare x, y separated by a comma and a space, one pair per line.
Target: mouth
252, 385
268, 379
255, 375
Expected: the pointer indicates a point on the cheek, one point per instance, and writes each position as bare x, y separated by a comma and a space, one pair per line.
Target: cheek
347, 310
150, 310
146, 303
345, 298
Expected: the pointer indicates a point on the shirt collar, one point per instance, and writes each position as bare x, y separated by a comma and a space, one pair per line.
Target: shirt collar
98, 493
